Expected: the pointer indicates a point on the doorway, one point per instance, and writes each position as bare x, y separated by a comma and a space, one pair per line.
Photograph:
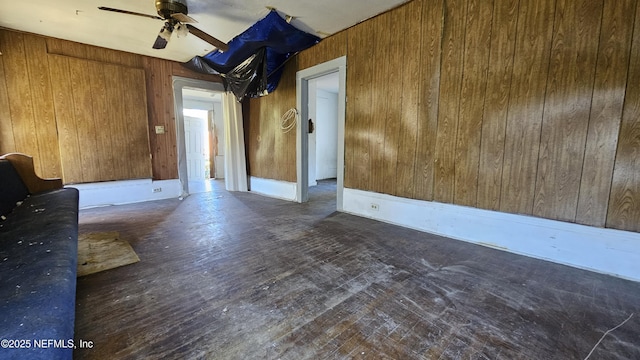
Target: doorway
323, 136
200, 130
204, 138
325, 78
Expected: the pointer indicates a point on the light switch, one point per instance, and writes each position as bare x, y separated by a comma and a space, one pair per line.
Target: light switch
159, 129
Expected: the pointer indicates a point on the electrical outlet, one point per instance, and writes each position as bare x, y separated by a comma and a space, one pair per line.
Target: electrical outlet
157, 190
375, 207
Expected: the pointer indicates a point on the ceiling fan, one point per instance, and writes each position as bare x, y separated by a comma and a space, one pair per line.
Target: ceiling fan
174, 14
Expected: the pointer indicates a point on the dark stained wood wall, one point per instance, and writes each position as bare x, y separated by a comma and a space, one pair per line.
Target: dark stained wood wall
271, 153
527, 107
47, 84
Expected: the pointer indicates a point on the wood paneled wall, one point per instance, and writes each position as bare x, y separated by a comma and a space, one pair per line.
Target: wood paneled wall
49, 87
270, 151
103, 109
527, 107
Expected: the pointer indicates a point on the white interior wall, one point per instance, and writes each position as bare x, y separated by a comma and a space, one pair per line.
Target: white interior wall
323, 141
326, 135
313, 135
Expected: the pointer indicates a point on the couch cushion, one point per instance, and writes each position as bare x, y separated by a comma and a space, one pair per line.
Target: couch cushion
12, 189
38, 256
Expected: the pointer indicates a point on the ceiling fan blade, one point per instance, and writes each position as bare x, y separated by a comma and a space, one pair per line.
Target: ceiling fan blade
163, 36
183, 18
208, 38
130, 12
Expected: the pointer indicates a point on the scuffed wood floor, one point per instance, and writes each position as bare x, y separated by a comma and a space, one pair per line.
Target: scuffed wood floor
240, 276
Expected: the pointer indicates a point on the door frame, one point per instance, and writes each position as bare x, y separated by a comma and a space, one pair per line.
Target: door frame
338, 65
178, 84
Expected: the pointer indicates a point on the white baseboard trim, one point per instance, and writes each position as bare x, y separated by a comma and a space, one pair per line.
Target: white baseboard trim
126, 192
607, 251
274, 188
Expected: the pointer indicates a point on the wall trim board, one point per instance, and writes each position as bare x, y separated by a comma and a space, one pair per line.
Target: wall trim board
126, 192
273, 188
607, 251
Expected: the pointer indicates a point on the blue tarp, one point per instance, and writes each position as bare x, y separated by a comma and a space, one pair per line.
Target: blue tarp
245, 61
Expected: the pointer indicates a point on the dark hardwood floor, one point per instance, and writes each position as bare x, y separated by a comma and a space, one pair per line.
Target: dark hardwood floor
240, 276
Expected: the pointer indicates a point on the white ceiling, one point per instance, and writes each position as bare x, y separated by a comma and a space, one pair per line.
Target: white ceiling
82, 21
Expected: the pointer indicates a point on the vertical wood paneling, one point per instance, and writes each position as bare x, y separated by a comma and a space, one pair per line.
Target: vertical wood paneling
117, 122
64, 109
494, 119
380, 96
272, 152
365, 109
84, 121
284, 143
624, 205
20, 95
156, 95
102, 113
255, 140
450, 88
160, 109
328, 49
101, 110
431, 52
516, 102
359, 95
7, 144
472, 98
567, 106
267, 142
44, 115
102, 120
606, 111
67, 48
135, 105
36, 92
279, 140
171, 149
353, 92
393, 100
526, 104
290, 72
410, 99
72, 49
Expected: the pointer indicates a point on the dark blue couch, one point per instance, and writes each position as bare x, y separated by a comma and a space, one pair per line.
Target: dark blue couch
38, 256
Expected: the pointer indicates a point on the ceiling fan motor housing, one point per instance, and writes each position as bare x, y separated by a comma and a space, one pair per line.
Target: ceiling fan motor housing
168, 7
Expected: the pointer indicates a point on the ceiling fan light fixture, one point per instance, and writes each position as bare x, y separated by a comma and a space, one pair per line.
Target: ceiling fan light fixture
181, 30
164, 36
174, 14
168, 7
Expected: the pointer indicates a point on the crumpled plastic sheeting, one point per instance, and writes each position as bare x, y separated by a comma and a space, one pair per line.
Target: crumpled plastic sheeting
278, 40
248, 78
